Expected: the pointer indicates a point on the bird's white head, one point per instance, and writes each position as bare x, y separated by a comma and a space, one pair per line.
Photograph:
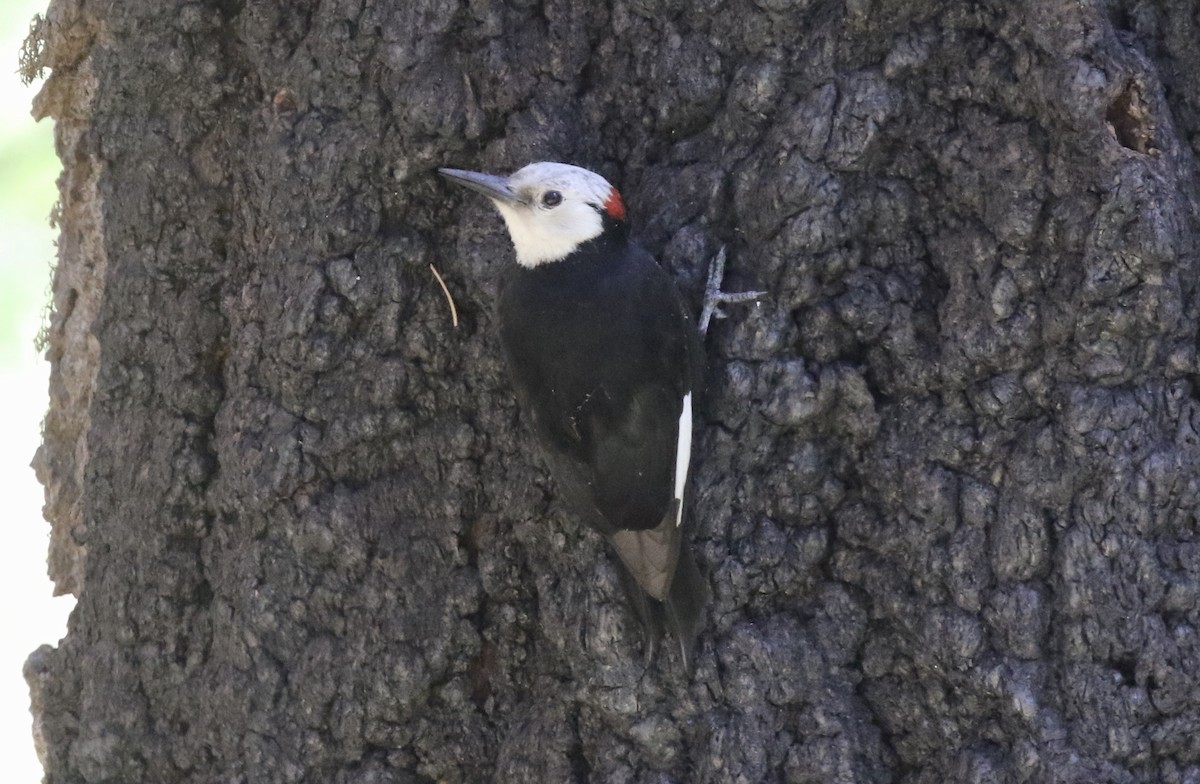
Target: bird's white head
550, 208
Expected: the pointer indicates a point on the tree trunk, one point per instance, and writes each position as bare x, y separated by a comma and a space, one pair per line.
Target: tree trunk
947, 492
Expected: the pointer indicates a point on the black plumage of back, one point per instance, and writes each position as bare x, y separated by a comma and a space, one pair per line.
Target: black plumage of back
601, 351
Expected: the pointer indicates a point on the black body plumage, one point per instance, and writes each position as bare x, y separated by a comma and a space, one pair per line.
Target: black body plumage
602, 351
605, 359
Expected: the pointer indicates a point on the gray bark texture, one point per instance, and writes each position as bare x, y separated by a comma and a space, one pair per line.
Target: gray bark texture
947, 489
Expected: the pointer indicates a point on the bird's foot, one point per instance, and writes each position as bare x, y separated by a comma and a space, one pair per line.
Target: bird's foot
714, 297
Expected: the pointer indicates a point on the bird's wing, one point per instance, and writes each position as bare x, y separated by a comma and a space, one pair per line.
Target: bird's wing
631, 453
614, 452
611, 430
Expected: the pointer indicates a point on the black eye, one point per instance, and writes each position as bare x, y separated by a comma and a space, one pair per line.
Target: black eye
552, 198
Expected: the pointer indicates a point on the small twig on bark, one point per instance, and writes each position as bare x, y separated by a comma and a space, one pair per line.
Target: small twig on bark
446, 291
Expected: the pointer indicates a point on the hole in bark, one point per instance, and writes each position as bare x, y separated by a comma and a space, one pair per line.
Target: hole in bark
1120, 19
481, 673
229, 9
1127, 668
1130, 120
202, 596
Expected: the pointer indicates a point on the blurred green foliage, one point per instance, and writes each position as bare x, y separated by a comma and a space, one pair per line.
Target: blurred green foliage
28, 169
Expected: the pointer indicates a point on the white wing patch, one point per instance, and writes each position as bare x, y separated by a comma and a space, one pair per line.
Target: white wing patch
683, 454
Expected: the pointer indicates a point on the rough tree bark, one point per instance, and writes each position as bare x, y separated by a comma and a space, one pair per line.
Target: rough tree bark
947, 490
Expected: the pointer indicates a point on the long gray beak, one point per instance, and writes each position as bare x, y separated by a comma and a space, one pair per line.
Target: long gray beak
488, 184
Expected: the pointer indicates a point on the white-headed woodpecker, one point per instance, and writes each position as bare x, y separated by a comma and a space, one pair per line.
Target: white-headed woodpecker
606, 360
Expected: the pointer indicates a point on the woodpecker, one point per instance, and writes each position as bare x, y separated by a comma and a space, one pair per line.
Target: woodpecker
606, 360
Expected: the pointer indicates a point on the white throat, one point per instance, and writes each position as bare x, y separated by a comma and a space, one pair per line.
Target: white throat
541, 236
545, 230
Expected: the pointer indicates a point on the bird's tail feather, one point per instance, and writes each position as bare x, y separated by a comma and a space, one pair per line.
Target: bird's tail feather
663, 583
649, 613
685, 604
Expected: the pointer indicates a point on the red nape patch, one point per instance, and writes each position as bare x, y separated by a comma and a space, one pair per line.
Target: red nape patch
614, 206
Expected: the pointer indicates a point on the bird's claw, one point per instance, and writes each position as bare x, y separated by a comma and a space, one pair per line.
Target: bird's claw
714, 297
